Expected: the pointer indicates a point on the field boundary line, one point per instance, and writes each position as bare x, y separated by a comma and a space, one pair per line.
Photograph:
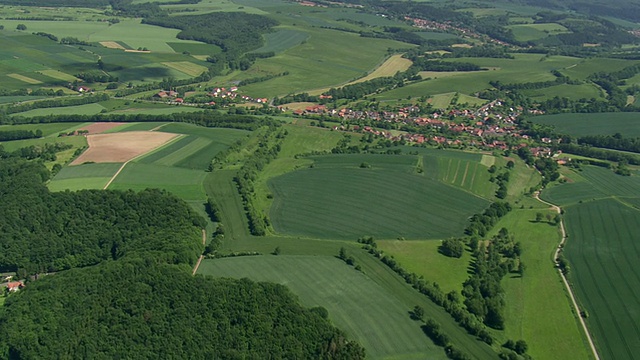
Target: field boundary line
564, 278
159, 126
204, 241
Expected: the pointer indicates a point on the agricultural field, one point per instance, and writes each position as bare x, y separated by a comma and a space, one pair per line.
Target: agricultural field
362, 308
537, 307
593, 124
573, 92
399, 203
85, 176
524, 68
603, 252
86, 109
282, 40
585, 67
184, 183
528, 32
121, 147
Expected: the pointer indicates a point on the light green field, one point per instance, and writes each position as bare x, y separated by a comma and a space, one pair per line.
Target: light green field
184, 152
47, 129
527, 32
524, 68
586, 67
282, 39
144, 126
363, 309
469, 175
537, 306
97, 183
76, 141
86, 109
626, 123
186, 67
157, 111
57, 74
130, 31
573, 92
332, 63
339, 200
185, 183
423, 258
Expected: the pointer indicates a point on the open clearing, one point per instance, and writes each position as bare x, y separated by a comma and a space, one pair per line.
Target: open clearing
338, 199
121, 147
363, 309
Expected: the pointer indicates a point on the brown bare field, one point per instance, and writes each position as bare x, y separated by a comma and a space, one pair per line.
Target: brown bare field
121, 147
97, 128
112, 45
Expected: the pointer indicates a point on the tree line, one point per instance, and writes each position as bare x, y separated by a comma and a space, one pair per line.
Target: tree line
9, 135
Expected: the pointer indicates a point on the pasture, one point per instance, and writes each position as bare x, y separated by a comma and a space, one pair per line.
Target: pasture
367, 312
537, 306
184, 183
603, 251
625, 123
423, 258
337, 199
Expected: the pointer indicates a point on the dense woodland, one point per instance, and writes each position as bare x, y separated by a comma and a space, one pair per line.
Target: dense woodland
140, 300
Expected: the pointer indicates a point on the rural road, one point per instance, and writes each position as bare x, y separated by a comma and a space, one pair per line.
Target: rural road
204, 241
564, 278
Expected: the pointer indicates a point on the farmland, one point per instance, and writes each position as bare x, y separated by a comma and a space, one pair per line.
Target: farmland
185, 183
121, 147
337, 190
86, 176
592, 124
602, 251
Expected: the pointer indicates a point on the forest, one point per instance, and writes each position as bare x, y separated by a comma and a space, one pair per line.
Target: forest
126, 289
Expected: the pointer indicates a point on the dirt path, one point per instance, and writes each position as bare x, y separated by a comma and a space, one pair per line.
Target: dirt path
204, 241
114, 175
564, 278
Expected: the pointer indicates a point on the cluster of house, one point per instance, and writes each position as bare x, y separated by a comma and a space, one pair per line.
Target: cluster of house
218, 92
11, 286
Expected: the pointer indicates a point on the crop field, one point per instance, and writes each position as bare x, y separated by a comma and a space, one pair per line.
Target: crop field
466, 174
47, 129
423, 258
627, 124
524, 68
195, 49
186, 67
590, 184
86, 176
56, 74
121, 147
332, 64
177, 151
156, 111
142, 126
573, 92
86, 109
603, 252
527, 32
184, 183
585, 67
282, 40
389, 68
337, 199
25, 79
363, 309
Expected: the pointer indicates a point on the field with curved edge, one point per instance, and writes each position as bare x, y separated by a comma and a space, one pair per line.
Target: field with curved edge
603, 250
338, 199
625, 123
363, 309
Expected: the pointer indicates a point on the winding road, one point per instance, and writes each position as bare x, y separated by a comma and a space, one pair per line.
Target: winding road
564, 278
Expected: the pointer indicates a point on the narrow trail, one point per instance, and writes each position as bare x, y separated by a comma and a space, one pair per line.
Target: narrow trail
115, 175
564, 278
204, 241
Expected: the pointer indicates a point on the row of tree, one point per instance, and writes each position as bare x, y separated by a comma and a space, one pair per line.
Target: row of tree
9, 135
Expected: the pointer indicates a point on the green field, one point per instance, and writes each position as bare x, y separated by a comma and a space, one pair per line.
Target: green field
625, 123
364, 310
87, 109
524, 68
585, 67
338, 199
603, 251
185, 183
282, 40
85, 176
573, 92
76, 141
467, 174
527, 32
537, 306
423, 258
